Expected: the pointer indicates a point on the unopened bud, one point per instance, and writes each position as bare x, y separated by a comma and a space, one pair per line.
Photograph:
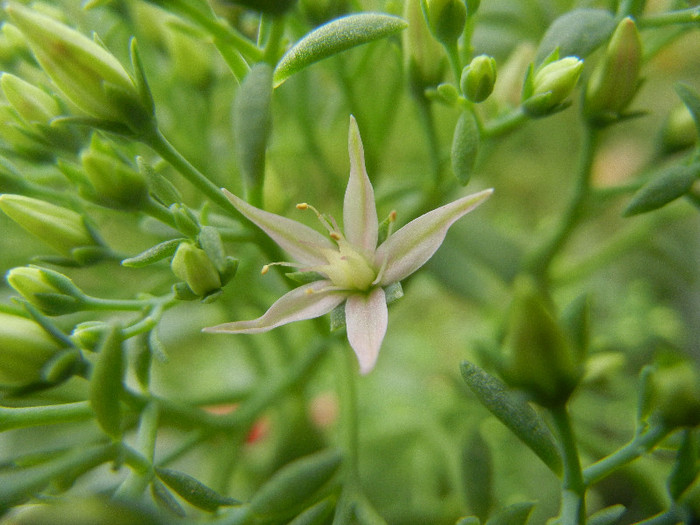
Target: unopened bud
478, 78
424, 63
547, 89
675, 394
541, 360
86, 73
679, 131
89, 335
33, 105
59, 227
114, 183
615, 80
192, 265
49, 291
446, 19
25, 348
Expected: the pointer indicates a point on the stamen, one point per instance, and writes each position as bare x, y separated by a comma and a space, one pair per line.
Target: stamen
336, 236
328, 225
266, 268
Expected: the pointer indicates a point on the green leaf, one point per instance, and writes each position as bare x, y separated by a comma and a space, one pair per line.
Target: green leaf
516, 514
106, 383
670, 184
577, 33
252, 123
316, 514
477, 473
465, 147
514, 412
295, 483
335, 37
194, 491
165, 498
273, 7
153, 254
686, 467
607, 516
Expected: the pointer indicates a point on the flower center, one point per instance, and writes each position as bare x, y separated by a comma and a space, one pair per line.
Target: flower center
346, 268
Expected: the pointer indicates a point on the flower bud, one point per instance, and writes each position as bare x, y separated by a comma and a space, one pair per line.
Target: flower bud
51, 292
541, 360
20, 141
192, 265
114, 183
25, 348
60, 228
478, 78
89, 335
86, 73
547, 89
33, 105
674, 394
446, 19
679, 131
424, 63
615, 80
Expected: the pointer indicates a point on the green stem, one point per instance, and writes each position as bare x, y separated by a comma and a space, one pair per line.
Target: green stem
683, 16
640, 445
505, 123
137, 480
573, 488
425, 113
23, 417
452, 52
540, 261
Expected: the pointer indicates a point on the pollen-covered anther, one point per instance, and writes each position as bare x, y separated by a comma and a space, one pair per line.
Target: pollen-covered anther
392, 216
302, 206
265, 269
336, 236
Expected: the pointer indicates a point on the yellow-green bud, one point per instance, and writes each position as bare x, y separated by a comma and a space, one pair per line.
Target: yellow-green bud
679, 131
192, 265
424, 63
674, 395
89, 335
478, 78
547, 89
114, 183
541, 361
446, 19
86, 73
33, 104
25, 348
51, 292
15, 136
59, 227
615, 80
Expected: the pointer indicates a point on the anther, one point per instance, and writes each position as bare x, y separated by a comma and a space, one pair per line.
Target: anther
335, 236
392, 216
302, 206
265, 269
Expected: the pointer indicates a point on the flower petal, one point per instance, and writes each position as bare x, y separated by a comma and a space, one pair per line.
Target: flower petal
300, 241
306, 302
359, 211
366, 318
410, 248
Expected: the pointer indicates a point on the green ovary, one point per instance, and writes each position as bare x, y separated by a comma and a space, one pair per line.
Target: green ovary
347, 269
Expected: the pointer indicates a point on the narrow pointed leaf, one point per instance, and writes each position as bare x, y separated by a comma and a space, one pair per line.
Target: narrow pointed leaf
465, 147
334, 37
366, 318
670, 184
516, 514
514, 412
360, 221
194, 491
106, 384
153, 254
306, 302
300, 241
411, 247
315, 515
165, 498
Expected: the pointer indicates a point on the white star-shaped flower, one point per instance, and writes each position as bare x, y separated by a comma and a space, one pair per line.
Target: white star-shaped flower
354, 270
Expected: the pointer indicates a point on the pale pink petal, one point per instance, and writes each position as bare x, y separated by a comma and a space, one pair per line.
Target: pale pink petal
300, 241
359, 211
306, 302
366, 318
410, 248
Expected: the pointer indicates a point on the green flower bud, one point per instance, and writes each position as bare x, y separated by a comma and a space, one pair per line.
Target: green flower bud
547, 89
424, 63
33, 104
541, 360
615, 80
19, 140
25, 348
679, 131
86, 73
446, 19
192, 265
113, 182
478, 78
674, 394
51, 292
89, 335
60, 228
